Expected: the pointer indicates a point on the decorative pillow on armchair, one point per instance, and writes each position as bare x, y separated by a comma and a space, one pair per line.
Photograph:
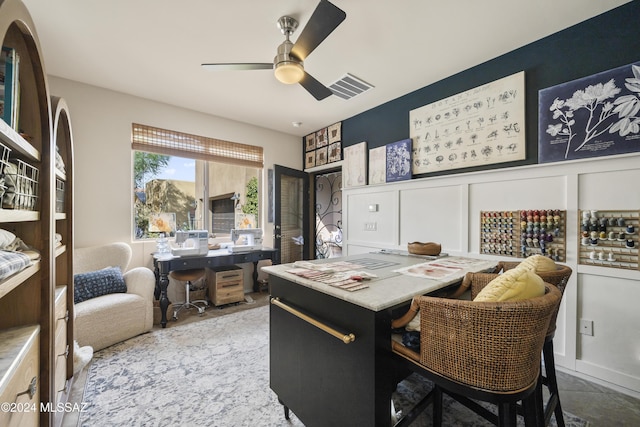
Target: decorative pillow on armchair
512, 285
97, 283
538, 264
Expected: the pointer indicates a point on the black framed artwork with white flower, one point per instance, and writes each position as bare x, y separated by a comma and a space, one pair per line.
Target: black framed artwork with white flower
589, 117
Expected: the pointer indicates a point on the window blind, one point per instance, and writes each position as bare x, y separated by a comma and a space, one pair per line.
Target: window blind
163, 141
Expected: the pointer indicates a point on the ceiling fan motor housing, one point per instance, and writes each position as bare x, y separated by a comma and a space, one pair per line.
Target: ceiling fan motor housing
287, 68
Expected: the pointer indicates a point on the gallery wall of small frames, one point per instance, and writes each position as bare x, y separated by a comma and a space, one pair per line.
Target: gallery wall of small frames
523, 233
323, 146
609, 238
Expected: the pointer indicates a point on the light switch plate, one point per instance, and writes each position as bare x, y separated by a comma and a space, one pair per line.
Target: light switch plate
586, 327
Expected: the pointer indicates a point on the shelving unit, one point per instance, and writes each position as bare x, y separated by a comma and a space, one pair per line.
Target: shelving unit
34, 301
62, 210
608, 249
523, 233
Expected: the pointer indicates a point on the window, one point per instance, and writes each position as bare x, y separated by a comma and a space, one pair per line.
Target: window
187, 182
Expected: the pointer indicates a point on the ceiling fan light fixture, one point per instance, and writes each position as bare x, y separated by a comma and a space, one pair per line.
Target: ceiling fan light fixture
289, 72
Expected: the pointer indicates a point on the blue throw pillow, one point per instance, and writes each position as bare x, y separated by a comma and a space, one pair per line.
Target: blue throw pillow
96, 283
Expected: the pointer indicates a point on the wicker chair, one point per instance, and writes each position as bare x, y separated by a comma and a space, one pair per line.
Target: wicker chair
487, 351
559, 278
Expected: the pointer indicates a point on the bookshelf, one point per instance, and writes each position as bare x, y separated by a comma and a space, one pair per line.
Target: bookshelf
36, 303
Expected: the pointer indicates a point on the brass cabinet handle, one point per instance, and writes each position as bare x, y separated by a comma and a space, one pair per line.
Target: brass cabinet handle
345, 338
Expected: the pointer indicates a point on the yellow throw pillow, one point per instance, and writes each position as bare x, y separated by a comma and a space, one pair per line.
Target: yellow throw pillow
538, 264
513, 285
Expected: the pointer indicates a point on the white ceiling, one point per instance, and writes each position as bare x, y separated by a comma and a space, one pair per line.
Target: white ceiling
153, 49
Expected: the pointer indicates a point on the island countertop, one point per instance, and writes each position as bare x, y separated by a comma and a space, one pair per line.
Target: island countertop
398, 278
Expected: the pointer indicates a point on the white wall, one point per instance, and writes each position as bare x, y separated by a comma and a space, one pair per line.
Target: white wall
101, 125
447, 210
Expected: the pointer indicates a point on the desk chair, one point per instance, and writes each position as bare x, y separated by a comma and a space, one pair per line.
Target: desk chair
487, 351
188, 277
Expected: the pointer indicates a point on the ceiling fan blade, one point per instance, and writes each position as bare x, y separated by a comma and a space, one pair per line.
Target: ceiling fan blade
314, 87
239, 66
323, 21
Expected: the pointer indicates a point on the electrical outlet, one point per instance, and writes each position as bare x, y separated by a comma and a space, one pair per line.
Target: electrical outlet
370, 226
586, 327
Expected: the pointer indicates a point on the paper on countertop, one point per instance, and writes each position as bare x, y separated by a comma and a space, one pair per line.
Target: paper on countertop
349, 280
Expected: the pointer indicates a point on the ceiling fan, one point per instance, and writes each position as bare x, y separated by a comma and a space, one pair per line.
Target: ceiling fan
288, 63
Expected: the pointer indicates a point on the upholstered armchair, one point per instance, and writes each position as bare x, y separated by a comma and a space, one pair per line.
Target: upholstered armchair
108, 319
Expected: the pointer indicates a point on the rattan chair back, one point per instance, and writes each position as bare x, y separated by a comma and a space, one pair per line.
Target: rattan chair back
559, 278
494, 346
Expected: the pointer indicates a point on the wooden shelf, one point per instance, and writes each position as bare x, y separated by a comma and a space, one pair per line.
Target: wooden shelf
11, 215
519, 233
597, 251
17, 143
12, 282
60, 250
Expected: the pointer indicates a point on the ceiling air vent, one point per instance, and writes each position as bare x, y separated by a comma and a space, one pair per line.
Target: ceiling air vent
349, 86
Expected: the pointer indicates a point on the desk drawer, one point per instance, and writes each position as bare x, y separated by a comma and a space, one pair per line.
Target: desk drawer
220, 275
229, 295
226, 284
61, 374
61, 312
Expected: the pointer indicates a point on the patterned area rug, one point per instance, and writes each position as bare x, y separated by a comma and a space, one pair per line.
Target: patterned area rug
209, 373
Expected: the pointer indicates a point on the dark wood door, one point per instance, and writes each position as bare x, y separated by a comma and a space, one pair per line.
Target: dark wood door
291, 214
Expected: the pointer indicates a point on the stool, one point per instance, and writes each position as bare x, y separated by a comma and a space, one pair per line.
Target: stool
188, 276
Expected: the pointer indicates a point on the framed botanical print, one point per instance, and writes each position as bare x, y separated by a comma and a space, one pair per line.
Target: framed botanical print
377, 165
483, 125
590, 117
354, 173
398, 160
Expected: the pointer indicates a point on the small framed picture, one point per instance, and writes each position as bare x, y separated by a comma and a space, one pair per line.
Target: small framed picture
310, 159
335, 132
335, 152
321, 156
355, 165
321, 138
310, 142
